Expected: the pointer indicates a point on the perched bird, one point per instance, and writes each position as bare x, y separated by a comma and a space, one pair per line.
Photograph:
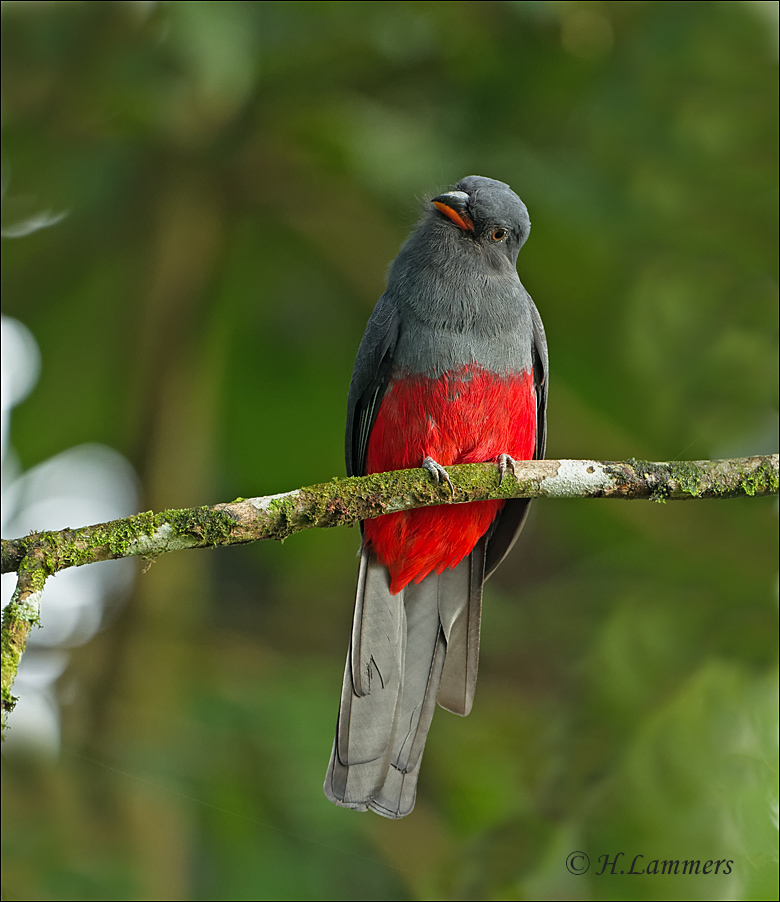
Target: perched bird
452, 369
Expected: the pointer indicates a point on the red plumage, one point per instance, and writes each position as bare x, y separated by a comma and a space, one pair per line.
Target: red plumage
467, 416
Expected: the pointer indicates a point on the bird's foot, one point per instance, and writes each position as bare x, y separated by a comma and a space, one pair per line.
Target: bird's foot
505, 464
438, 473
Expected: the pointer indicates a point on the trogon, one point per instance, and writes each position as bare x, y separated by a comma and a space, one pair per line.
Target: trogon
452, 369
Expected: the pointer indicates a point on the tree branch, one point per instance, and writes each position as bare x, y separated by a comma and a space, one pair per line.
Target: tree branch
348, 500
342, 501
19, 617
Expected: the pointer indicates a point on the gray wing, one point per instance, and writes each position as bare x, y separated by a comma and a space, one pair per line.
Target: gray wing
541, 375
369, 380
512, 518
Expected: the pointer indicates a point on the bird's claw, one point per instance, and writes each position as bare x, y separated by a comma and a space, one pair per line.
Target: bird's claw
505, 464
438, 473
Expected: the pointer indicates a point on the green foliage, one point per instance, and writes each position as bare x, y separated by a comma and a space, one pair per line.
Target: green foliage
237, 177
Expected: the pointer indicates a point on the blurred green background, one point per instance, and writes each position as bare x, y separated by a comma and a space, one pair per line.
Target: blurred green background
237, 177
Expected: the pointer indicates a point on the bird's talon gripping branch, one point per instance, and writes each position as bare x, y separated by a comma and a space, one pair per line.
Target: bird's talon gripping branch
505, 464
438, 473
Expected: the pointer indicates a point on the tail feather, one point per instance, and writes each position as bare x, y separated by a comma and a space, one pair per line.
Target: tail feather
373, 679
407, 652
425, 651
460, 610
378, 627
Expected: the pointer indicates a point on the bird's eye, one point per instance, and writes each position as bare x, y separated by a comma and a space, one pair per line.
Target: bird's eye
498, 234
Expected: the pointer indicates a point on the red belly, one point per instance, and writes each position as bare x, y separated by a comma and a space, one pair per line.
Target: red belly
468, 416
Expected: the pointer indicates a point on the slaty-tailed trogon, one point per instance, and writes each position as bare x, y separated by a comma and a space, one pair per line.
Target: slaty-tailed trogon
452, 369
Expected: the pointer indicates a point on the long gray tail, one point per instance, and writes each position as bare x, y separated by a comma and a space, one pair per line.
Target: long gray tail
407, 652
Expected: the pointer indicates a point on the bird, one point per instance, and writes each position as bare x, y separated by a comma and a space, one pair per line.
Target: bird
452, 369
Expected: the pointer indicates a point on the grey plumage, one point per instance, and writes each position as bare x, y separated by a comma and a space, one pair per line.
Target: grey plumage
453, 299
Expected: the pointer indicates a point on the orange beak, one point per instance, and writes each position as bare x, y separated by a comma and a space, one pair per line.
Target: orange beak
453, 205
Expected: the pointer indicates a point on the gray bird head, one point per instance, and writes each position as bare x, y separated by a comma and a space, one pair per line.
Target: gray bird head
470, 233
486, 213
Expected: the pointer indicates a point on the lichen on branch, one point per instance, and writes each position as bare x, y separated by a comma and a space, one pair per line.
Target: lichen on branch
349, 500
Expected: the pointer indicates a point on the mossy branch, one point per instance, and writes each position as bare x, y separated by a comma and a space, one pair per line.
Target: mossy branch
343, 501
19, 617
348, 500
